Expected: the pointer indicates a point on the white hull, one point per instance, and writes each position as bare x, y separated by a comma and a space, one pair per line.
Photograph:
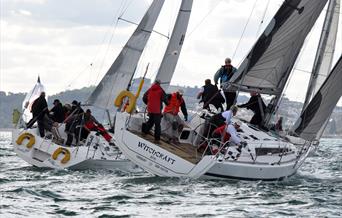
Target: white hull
94, 154
266, 157
269, 168
237, 170
153, 158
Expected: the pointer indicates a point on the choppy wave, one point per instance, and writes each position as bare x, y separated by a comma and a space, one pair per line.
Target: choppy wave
316, 190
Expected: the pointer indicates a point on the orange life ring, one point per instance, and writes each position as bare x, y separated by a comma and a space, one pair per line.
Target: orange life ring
60, 150
27, 136
132, 100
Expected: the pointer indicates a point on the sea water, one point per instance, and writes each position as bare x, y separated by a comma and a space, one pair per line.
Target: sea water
26, 191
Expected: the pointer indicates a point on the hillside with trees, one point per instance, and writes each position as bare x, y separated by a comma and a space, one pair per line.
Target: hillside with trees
288, 109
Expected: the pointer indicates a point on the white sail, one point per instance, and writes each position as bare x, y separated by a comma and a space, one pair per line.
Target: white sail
325, 50
121, 72
174, 47
318, 111
30, 98
268, 65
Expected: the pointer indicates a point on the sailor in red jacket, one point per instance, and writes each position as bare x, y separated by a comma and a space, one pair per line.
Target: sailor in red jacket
172, 124
154, 97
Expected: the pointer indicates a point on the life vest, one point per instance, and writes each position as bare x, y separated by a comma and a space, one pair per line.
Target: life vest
174, 104
226, 73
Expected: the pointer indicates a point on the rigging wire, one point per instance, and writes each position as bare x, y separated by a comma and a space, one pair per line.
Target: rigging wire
153, 47
258, 31
122, 9
172, 22
237, 46
110, 41
119, 18
69, 84
244, 29
125, 9
205, 17
262, 19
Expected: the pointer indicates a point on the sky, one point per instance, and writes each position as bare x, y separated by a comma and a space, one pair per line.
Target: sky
71, 43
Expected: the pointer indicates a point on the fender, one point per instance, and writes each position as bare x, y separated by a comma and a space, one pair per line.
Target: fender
132, 100
60, 150
27, 136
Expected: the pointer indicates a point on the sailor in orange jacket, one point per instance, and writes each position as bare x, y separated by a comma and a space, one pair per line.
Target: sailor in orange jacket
172, 124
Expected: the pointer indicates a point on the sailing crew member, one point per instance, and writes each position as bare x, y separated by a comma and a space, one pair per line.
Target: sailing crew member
66, 110
57, 112
258, 107
224, 74
224, 133
76, 107
220, 119
154, 97
172, 124
39, 110
210, 94
73, 123
91, 124
232, 132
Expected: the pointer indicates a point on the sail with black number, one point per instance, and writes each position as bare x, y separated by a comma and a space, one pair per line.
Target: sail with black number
315, 115
268, 65
174, 47
120, 73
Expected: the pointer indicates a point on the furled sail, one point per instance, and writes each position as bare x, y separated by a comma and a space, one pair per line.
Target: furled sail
30, 98
174, 47
268, 65
120, 73
325, 50
315, 115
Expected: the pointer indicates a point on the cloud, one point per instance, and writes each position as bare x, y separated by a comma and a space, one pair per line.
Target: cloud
65, 13
72, 43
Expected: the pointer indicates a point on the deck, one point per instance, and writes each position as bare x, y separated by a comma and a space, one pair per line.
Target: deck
183, 150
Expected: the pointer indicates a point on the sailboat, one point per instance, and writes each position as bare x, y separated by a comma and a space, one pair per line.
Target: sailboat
95, 152
266, 69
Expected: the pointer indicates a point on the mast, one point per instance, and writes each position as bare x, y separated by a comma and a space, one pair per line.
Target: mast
120, 73
171, 55
325, 50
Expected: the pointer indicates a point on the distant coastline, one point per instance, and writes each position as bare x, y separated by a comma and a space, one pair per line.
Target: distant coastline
288, 109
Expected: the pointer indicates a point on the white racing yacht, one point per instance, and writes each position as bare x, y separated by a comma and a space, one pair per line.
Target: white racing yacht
95, 152
266, 69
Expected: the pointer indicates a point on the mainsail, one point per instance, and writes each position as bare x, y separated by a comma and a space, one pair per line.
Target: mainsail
315, 115
30, 98
325, 50
174, 47
120, 73
268, 65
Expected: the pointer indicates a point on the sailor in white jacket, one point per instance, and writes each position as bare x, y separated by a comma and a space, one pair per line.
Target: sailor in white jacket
234, 152
232, 130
